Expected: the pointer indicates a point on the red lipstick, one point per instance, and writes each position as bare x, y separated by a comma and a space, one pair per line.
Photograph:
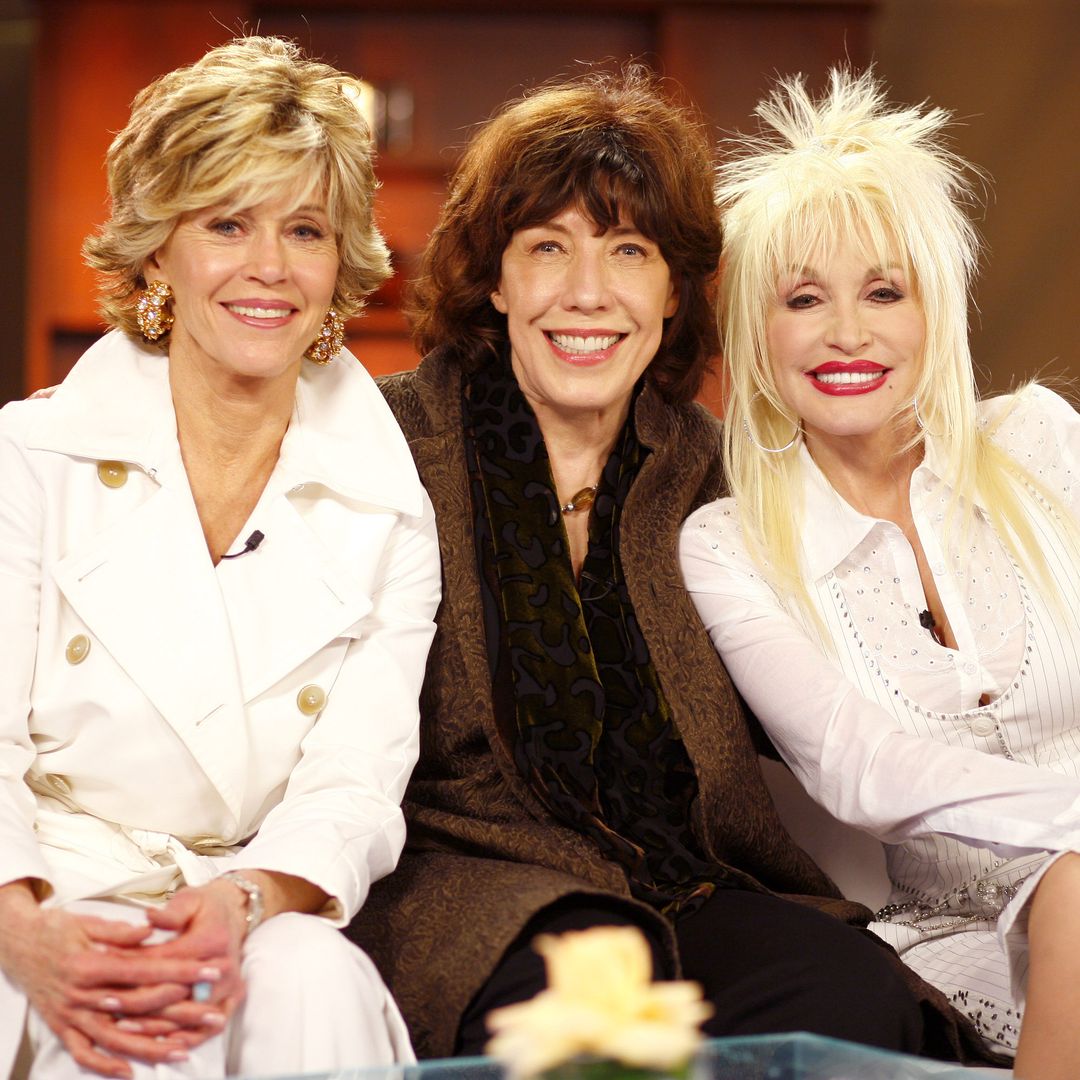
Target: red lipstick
848, 379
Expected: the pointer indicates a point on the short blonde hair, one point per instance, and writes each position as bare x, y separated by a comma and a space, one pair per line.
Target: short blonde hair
250, 118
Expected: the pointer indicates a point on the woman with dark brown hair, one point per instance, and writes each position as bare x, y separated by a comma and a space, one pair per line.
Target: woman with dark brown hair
584, 758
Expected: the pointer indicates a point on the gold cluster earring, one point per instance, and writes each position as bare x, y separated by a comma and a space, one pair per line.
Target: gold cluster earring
330, 340
152, 312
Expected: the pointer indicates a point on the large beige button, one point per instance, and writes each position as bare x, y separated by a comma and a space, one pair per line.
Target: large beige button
112, 474
77, 649
311, 700
983, 726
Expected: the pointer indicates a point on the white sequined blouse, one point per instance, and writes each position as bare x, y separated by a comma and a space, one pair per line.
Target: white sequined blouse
887, 733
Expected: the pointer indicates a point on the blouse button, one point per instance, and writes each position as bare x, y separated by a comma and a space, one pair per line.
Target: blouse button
77, 649
969, 668
113, 474
982, 726
311, 700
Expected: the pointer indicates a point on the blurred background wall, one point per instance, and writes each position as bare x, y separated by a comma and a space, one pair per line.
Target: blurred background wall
1007, 68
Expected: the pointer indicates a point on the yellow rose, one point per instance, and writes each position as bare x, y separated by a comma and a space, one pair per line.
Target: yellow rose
600, 1003
607, 965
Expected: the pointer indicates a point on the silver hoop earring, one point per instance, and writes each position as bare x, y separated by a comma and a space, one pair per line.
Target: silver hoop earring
919, 421
769, 449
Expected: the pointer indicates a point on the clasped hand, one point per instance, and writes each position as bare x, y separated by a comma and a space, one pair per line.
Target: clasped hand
108, 994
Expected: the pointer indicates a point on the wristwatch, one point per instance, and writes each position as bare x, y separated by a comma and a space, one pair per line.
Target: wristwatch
254, 894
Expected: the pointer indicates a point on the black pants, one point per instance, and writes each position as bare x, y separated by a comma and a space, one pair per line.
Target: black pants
766, 964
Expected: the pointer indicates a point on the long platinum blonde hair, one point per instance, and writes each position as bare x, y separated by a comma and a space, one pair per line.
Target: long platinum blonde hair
848, 167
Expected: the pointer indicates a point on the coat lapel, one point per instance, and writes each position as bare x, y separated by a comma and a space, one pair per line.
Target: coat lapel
436, 459
302, 595
145, 586
440, 459
680, 473
344, 477
150, 597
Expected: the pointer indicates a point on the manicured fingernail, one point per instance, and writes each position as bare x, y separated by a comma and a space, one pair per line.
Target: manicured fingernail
130, 1025
211, 973
214, 1019
110, 1004
201, 991
177, 1055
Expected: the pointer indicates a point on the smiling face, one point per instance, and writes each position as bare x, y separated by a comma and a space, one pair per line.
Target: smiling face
251, 287
585, 313
845, 339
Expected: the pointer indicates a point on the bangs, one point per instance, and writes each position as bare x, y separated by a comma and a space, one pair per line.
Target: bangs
250, 163
256, 178
607, 198
810, 232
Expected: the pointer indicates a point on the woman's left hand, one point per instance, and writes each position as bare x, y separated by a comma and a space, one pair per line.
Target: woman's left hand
210, 923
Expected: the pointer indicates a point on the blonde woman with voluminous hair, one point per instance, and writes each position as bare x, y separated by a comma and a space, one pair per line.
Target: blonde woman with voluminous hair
893, 583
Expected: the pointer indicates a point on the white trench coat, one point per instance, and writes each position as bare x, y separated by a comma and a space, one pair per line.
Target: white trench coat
163, 719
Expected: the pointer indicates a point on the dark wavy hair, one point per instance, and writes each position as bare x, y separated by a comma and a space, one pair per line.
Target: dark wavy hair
612, 145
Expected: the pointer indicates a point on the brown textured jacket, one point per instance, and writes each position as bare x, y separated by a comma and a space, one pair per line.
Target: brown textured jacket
483, 855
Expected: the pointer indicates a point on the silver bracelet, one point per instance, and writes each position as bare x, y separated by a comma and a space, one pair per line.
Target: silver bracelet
254, 893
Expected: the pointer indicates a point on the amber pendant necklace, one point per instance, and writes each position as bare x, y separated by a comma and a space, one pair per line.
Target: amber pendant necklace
581, 500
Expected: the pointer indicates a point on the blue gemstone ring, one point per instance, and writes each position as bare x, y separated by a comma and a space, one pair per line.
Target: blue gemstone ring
201, 991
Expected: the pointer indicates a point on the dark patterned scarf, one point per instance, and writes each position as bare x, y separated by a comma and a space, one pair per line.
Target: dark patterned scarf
575, 690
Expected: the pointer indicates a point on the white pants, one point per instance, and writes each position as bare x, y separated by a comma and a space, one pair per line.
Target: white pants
315, 1002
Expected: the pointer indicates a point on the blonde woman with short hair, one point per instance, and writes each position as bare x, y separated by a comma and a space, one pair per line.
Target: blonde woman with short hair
893, 583
218, 573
